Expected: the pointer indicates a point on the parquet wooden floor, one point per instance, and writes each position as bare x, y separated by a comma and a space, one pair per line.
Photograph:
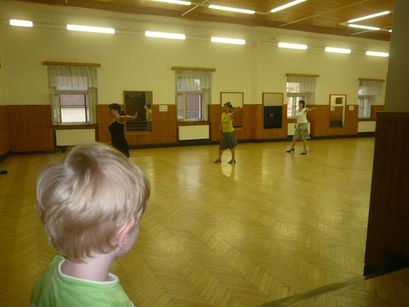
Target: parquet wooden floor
390, 290
272, 226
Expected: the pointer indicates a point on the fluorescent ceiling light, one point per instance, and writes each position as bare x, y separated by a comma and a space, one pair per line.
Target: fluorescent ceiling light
285, 6
226, 40
377, 53
363, 27
165, 35
175, 2
21, 23
231, 9
292, 46
390, 31
90, 29
369, 16
338, 50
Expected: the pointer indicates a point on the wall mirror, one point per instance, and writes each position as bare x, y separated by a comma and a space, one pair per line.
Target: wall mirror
236, 99
273, 110
141, 102
337, 106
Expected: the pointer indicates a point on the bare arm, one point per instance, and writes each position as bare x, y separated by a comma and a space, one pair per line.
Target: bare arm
128, 117
309, 109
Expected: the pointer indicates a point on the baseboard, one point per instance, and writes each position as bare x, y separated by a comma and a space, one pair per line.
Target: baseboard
366, 134
32, 152
350, 136
4, 156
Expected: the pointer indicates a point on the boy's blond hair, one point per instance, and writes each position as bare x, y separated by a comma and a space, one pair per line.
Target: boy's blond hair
86, 199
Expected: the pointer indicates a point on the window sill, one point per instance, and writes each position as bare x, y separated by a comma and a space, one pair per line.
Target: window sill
192, 122
366, 119
74, 126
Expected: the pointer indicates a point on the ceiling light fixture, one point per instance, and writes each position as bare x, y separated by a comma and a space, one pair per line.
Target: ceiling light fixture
231, 9
377, 53
90, 29
352, 25
165, 35
369, 16
285, 6
21, 23
292, 46
175, 2
226, 40
338, 50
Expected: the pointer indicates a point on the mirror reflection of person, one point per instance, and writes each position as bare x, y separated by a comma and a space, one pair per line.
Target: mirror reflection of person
228, 138
301, 127
117, 128
148, 109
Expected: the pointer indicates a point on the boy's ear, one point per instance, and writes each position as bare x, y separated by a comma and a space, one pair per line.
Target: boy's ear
124, 233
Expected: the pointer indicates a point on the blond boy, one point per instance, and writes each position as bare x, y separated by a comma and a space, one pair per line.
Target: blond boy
90, 204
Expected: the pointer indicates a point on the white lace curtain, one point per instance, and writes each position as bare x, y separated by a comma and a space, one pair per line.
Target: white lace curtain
195, 81
63, 78
370, 88
302, 86
305, 84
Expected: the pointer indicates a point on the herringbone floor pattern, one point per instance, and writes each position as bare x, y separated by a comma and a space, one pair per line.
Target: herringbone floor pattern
274, 225
391, 290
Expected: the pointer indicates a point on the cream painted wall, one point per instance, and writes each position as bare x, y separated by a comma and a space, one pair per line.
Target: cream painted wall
132, 62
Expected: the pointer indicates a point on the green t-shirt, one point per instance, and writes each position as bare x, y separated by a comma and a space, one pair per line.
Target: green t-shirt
54, 289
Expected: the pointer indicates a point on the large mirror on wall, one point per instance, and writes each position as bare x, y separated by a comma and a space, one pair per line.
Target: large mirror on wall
237, 100
139, 102
273, 110
337, 106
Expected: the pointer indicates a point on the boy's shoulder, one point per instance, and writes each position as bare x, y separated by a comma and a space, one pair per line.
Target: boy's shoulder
56, 289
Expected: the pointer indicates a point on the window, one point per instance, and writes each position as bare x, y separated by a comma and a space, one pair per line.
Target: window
369, 93
364, 107
74, 107
189, 106
192, 95
74, 93
299, 88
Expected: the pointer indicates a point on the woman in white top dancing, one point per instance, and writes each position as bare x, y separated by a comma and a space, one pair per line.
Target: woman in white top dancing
301, 127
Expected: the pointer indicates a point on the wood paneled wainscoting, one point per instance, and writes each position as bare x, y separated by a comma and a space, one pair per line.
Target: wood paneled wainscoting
387, 246
376, 109
29, 128
4, 137
320, 118
163, 127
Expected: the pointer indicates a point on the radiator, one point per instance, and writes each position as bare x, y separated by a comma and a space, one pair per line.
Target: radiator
194, 132
366, 126
71, 137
